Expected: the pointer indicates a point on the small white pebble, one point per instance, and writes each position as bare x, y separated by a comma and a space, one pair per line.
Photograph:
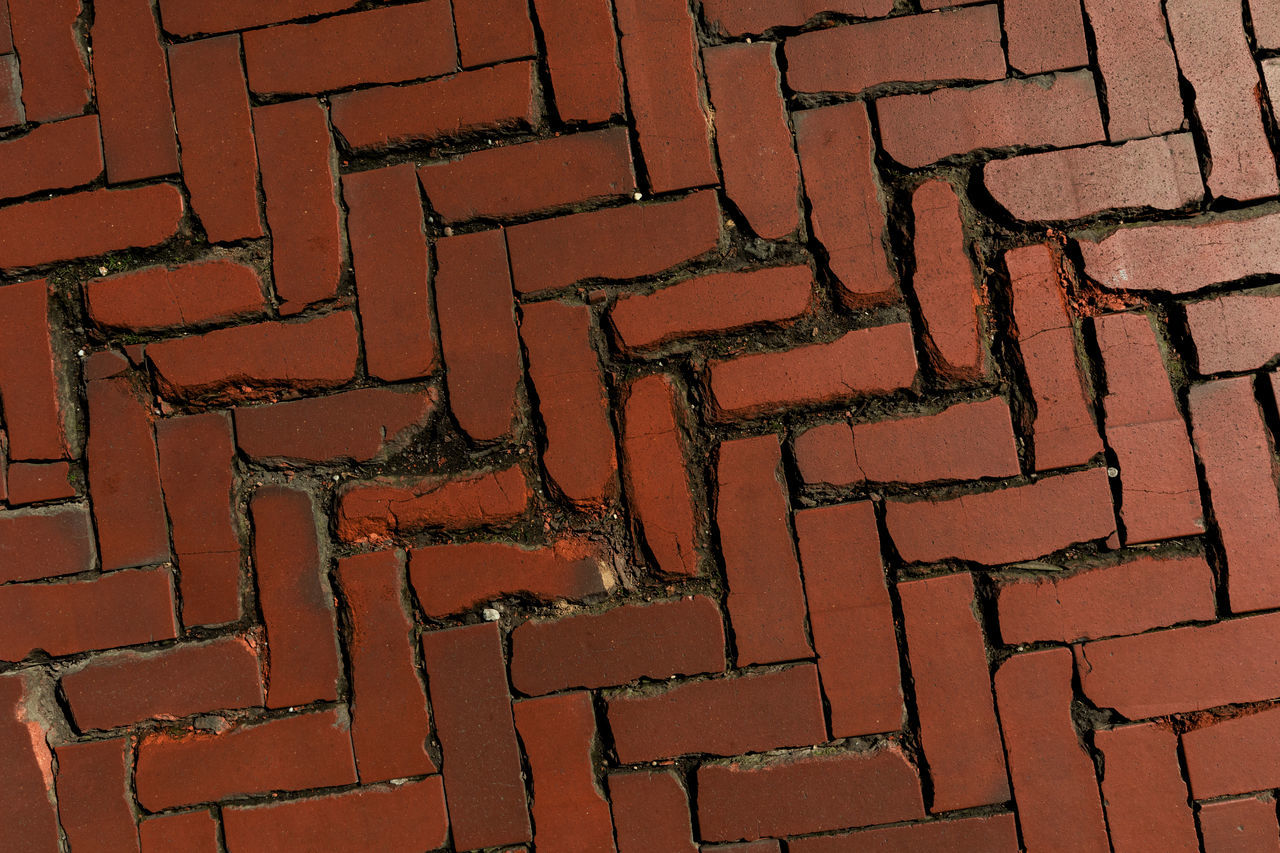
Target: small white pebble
80, 353
490, 615
448, 232
1113, 472
337, 477
637, 195
102, 270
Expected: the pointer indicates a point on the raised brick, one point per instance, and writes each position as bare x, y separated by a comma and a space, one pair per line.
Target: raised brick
864, 361
131, 80
1052, 513
389, 723
55, 156
1045, 35
1059, 110
851, 618
824, 454
191, 17
354, 425
958, 728
761, 175
1236, 454
943, 282
27, 809
364, 510
658, 491
117, 609
1160, 494
293, 753
380, 45
502, 96
996, 833
582, 55
1234, 756
252, 361
565, 372
35, 482
1106, 601
55, 67
559, 738
1143, 790
38, 544
808, 793
389, 248
736, 17
723, 716
959, 44
1161, 172
94, 806
680, 637
299, 182
195, 832
87, 223
651, 812
1246, 825
846, 205
1137, 64
411, 816
1213, 56
766, 596
478, 338
219, 158
967, 441
480, 755
516, 179
1234, 332
175, 297
493, 30
622, 242
33, 415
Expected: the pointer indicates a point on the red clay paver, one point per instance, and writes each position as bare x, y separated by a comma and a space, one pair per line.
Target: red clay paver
1143, 790
650, 812
943, 281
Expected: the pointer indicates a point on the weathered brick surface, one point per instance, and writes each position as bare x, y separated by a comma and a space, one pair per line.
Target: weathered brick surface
1135, 58
650, 812
1248, 823
163, 298
54, 156
1142, 787
943, 280
1234, 332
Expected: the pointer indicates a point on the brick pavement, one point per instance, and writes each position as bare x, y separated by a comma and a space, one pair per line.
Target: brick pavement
773, 426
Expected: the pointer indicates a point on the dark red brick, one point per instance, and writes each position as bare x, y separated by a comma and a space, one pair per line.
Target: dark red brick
991, 834
55, 156
94, 806
1143, 790
968, 441
582, 55
824, 454
191, 17
175, 297
39, 544
493, 30
195, 832
29, 388
943, 282
1246, 825
680, 637
471, 705
35, 482
651, 812
559, 738
55, 66
736, 17
722, 716
389, 723
1045, 35
6, 36
1234, 756
1234, 332
1137, 65
354, 425
27, 809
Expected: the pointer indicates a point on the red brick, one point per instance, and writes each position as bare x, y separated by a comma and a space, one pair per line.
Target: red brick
354, 425
1160, 495
35, 482
808, 793
411, 816
1234, 332
284, 754
55, 156
650, 812
943, 282
1234, 756
29, 386
1236, 454
364, 510
197, 460
761, 175
766, 596
1051, 514
679, 637
767, 845
87, 223
380, 45
958, 728
846, 206
1142, 787
27, 808
299, 182
565, 372
294, 597
736, 17
190, 17
252, 361
723, 716
1059, 111
654, 458
471, 704
1137, 65
1065, 432
516, 179
124, 475
1053, 776
1106, 601
968, 441
582, 55
117, 609
219, 158
131, 80
1161, 172
175, 297
1045, 35
6, 36
992, 834
499, 97
559, 737
824, 454
959, 44
622, 242
195, 832
864, 361
1214, 57
1247, 825
451, 579
660, 56
478, 337
11, 113
493, 30
128, 687
94, 806
709, 304
389, 248
39, 544
851, 618
1266, 24
389, 724
55, 67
